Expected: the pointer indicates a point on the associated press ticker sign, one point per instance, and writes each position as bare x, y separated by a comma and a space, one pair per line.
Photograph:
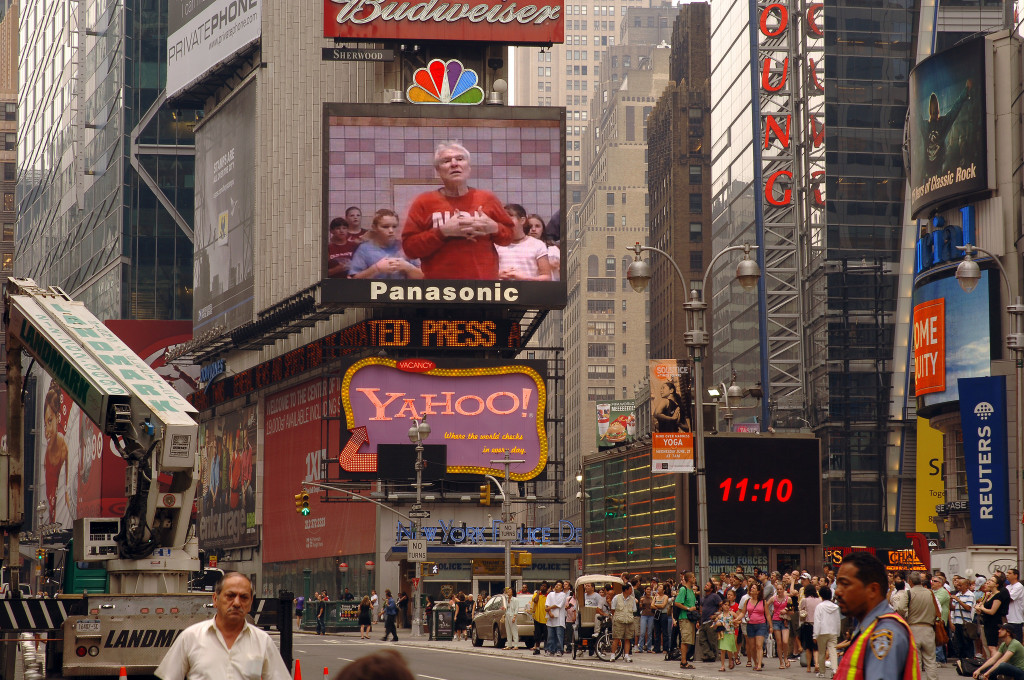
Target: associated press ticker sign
523, 22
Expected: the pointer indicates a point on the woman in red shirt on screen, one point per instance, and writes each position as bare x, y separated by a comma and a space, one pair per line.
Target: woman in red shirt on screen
454, 229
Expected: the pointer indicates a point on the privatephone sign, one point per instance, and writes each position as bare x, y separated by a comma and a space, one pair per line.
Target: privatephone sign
205, 33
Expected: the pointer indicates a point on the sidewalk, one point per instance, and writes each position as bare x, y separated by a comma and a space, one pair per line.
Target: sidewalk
647, 664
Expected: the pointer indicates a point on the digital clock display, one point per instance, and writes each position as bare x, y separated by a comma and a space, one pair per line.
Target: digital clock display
761, 489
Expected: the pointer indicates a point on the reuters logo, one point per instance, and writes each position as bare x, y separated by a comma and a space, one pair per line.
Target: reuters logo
984, 410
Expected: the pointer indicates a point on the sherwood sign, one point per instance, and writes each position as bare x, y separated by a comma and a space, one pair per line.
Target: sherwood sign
530, 23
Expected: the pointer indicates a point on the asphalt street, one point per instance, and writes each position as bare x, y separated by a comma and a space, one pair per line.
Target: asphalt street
432, 660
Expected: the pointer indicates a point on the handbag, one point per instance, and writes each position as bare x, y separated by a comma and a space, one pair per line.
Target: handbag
941, 635
971, 630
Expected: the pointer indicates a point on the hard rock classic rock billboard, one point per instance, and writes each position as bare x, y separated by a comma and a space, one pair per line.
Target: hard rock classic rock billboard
389, 207
205, 33
946, 132
225, 205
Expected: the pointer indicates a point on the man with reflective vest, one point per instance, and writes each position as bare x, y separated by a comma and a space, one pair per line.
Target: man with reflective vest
882, 647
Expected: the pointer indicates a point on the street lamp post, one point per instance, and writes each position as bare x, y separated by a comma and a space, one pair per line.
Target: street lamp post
696, 338
507, 461
417, 433
968, 273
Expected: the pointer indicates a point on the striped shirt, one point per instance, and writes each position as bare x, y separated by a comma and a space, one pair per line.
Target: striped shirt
958, 615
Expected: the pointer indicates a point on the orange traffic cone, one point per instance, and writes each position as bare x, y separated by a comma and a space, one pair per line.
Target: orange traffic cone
298, 670
123, 674
325, 672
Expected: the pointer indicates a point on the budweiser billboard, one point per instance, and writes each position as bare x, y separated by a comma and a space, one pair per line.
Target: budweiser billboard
534, 22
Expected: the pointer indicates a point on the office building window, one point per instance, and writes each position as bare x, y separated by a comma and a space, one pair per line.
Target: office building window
600, 306
8, 262
609, 266
696, 232
600, 328
695, 114
696, 260
696, 203
600, 350
10, 111
8, 231
600, 372
695, 174
609, 198
610, 243
609, 218
10, 141
600, 393
8, 201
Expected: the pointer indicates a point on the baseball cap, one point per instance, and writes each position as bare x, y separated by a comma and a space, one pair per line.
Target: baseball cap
805, 575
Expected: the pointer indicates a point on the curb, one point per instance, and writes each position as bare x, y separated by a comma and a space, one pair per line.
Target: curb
697, 674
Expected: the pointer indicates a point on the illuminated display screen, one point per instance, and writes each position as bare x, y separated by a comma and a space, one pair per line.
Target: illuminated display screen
415, 205
774, 479
418, 333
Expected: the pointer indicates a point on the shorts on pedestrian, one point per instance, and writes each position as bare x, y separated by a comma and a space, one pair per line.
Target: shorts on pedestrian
622, 630
686, 636
779, 625
757, 629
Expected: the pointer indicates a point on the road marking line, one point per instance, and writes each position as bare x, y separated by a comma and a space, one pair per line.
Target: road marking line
587, 668
430, 677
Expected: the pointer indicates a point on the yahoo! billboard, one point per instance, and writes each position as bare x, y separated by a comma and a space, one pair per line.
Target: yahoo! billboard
479, 413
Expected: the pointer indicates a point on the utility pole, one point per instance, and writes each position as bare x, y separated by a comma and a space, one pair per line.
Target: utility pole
506, 535
417, 433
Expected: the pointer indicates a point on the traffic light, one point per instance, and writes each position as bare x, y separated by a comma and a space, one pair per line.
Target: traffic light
485, 494
302, 503
40, 554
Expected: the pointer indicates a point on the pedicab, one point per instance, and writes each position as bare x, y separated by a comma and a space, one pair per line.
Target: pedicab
593, 632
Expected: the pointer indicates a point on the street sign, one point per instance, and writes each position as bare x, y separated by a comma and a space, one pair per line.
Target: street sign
353, 54
507, 532
417, 550
419, 514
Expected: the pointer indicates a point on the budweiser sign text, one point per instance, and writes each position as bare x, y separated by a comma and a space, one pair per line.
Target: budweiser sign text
537, 22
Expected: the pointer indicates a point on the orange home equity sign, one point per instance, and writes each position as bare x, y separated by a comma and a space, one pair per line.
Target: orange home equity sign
930, 347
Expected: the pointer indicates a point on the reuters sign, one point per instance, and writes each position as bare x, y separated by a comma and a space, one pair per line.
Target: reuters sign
532, 22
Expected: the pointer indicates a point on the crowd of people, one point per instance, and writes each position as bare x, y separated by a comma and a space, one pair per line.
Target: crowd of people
454, 232
742, 619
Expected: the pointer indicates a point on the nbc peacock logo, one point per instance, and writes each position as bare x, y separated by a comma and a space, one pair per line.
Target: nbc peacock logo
445, 82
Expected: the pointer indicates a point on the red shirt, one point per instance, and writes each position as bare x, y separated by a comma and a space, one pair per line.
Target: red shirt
454, 258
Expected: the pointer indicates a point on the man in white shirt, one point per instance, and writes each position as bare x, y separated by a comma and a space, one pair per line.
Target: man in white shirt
226, 646
1015, 615
554, 606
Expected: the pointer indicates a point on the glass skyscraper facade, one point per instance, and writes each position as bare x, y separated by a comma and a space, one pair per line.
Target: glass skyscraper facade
105, 175
848, 294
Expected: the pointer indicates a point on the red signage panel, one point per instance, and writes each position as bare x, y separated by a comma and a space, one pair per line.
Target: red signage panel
294, 442
528, 22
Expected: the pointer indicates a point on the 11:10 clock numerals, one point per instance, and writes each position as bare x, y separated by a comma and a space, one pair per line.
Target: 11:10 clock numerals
770, 490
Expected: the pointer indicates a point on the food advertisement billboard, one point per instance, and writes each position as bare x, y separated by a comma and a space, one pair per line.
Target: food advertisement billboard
616, 423
671, 412
81, 473
225, 215
952, 338
536, 22
415, 206
946, 128
227, 498
202, 34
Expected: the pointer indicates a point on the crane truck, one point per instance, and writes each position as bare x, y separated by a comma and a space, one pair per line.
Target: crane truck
149, 552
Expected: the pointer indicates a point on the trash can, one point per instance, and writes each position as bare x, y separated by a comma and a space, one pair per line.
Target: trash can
443, 621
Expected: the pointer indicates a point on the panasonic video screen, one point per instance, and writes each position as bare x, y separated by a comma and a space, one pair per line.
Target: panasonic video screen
443, 205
